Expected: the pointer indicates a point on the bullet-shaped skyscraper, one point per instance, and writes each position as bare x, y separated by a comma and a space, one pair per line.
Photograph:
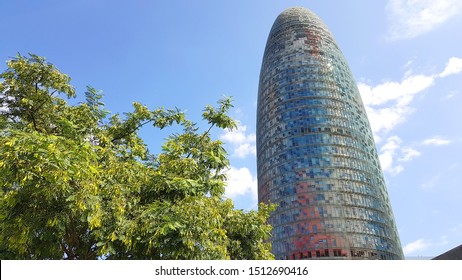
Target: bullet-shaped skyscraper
316, 154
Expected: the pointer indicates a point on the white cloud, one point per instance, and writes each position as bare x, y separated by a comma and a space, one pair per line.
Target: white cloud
436, 141
390, 103
411, 18
416, 246
387, 104
392, 144
243, 144
400, 93
386, 119
387, 154
409, 154
244, 149
391, 151
454, 66
241, 182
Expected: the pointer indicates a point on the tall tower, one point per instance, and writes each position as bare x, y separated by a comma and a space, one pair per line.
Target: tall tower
316, 155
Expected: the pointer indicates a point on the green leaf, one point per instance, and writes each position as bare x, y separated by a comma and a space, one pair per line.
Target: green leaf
79, 183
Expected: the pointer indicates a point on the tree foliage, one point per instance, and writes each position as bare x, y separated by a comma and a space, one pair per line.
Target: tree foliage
79, 183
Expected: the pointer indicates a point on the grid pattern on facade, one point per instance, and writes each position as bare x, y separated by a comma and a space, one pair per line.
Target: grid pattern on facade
316, 155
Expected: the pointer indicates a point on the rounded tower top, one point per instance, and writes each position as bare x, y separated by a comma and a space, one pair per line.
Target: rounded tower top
296, 15
296, 11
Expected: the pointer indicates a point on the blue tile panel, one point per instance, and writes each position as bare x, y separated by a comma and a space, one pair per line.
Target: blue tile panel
316, 155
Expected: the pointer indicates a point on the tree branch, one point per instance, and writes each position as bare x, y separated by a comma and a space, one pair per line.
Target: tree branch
130, 132
202, 137
31, 114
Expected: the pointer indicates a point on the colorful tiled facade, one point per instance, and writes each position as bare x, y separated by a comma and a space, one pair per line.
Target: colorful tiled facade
316, 155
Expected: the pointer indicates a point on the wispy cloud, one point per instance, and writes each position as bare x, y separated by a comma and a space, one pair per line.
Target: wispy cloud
388, 104
241, 182
416, 246
408, 154
242, 143
431, 183
450, 95
436, 141
391, 153
399, 92
422, 244
388, 153
411, 18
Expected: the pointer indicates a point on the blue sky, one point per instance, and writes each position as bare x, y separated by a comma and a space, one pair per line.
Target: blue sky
406, 56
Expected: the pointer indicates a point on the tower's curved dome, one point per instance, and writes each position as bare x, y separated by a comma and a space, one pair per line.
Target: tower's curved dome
316, 155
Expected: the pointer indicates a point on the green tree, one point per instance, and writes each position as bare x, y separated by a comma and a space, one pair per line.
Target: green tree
79, 183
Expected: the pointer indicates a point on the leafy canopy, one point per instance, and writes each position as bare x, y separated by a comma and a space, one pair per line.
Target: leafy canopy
79, 183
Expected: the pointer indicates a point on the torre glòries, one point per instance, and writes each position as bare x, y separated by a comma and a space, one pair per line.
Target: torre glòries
316, 154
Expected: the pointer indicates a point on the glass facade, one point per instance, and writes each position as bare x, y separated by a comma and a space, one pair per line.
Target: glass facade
316, 155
